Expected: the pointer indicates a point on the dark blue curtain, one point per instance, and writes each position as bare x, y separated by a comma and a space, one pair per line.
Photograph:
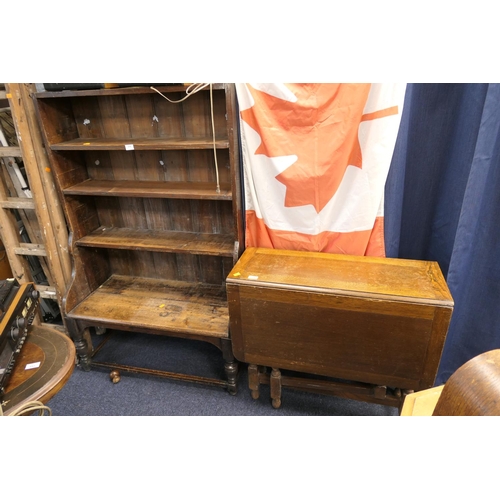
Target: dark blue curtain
443, 204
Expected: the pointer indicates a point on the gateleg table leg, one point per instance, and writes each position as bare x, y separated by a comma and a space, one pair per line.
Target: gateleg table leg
275, 387
253, 381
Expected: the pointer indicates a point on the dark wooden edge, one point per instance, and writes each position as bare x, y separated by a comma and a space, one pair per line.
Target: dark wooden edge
119, 91
85, 322
161, 373
235, 331
338, 291
234, 155
440, 325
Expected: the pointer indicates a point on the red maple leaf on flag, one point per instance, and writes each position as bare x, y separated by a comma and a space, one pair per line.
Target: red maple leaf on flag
320, 128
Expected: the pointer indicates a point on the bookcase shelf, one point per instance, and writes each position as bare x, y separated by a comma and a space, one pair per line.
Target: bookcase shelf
153, 189
153, 204
156, 241
146, 144
172, 307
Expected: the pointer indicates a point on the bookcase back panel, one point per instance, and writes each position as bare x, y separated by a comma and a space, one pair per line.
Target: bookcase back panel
168, 166
149, 115
157, 214
169, 266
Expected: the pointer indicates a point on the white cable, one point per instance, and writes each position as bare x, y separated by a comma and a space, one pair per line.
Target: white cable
213, 136
189, 92
193, 89
29, 407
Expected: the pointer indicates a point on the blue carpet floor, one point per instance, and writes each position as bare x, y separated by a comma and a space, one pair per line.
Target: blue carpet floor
93, 394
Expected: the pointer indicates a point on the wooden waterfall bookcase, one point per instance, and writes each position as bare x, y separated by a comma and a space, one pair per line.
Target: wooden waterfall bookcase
152, 238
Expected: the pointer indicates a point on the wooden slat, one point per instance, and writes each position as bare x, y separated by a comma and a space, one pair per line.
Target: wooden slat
46, 292
10, 239
156, 241
3, 94
159, 305
151, 189
19, 203
30, 249
139, 144
10, 151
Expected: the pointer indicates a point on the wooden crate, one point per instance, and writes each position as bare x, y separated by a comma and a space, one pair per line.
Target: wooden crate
377, 326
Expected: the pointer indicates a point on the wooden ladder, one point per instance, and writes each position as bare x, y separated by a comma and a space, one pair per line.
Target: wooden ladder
33, 198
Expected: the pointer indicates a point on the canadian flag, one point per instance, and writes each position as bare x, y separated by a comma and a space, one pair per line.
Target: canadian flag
316, 159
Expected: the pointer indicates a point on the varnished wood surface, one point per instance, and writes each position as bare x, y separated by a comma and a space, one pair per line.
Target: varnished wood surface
366, 320
56, 353
139, 144
165, 241
376, 342
473, 389
151, 189
156, 304
401, 279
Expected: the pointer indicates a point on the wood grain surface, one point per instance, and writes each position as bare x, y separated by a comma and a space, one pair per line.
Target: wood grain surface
166, 241
473, 389
164, 306
151, 189
359, 319
55, 353
418, 281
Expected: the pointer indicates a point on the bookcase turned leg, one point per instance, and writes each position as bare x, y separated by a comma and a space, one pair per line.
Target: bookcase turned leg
275, 387
82, 341
230, 366
83, 350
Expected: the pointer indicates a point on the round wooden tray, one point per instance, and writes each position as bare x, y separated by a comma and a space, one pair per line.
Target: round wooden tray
55, 352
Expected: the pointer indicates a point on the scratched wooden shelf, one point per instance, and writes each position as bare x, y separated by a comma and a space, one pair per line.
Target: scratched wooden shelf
126, 302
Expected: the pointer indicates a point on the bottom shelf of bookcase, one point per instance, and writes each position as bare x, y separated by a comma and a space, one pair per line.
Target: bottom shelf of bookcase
155, 305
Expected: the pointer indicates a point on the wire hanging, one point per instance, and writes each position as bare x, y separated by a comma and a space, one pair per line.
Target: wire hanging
193, 89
